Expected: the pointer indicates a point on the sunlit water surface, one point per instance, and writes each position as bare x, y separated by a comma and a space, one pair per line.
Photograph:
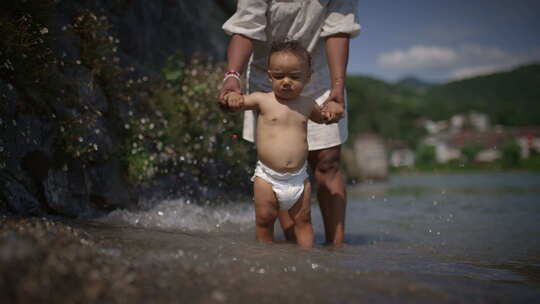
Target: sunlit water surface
419, 238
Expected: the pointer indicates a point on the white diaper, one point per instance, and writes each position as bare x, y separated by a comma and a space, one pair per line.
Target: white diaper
288, 186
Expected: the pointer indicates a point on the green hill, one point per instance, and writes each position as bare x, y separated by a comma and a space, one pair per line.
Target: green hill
509, 98
415, 83
381, 107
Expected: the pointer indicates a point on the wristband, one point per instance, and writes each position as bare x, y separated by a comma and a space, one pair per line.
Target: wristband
232, 74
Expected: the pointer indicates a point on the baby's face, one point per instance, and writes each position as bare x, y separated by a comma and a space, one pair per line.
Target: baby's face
288, 74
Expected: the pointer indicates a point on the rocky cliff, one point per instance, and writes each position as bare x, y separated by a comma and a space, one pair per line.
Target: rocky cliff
74, 75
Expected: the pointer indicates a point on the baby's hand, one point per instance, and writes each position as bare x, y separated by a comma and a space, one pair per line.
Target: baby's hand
332, 111
234, 100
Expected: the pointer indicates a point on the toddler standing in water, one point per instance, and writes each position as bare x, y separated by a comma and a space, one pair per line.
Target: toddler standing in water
280, 183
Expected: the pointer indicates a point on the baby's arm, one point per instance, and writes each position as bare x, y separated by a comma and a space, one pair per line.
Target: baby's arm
239, 102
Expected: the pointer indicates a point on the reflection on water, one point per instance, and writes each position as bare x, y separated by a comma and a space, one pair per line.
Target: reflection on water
444, 238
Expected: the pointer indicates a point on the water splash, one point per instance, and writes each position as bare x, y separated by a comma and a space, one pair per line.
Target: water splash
183, 215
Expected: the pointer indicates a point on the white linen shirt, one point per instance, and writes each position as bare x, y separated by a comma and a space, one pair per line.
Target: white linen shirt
306, 21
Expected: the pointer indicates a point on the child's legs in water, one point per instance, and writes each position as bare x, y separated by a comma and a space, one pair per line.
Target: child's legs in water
296, 222
266, 210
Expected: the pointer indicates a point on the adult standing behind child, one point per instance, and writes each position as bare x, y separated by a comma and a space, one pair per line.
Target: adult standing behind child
324, 28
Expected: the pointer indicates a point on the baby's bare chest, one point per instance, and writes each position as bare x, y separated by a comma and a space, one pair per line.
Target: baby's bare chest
284, 114
283, 118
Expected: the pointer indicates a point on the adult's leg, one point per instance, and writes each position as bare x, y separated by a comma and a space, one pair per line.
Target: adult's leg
300, 213
287, 225
266, 210
331, 192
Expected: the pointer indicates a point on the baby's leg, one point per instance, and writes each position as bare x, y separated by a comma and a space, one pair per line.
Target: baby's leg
301, 215
266, 210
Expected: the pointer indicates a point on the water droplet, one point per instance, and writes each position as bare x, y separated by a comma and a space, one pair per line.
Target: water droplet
218, 296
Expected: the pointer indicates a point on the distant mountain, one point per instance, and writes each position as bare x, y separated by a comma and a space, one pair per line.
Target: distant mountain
415, 83
509, 98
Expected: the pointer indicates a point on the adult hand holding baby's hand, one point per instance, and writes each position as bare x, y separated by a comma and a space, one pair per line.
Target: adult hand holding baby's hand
234, 100
337, 95
332, 111
230, 84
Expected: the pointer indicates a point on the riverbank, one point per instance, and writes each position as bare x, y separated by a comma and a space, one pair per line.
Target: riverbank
526, 165
47, 261
50, 261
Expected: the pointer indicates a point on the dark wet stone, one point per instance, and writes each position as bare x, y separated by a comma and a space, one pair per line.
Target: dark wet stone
37, 163
108, 188
17, 197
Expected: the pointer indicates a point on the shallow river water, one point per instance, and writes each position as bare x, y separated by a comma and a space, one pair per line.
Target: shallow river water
447, 238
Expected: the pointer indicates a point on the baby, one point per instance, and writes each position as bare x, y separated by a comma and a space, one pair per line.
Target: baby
280, 183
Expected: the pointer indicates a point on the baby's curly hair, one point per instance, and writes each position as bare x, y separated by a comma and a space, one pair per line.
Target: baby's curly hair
290, 46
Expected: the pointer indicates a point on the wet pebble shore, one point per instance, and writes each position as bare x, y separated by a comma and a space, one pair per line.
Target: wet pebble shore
49, 261
42, 260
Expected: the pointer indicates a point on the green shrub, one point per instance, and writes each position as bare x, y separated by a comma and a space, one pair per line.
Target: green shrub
184, 131
425, 156
511, 155
470, 150
532, 163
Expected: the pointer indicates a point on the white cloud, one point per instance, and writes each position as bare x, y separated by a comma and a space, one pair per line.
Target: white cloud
472, 71
480, 60
418, 57
459, 62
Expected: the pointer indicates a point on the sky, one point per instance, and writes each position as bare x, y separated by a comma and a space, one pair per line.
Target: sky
444, 40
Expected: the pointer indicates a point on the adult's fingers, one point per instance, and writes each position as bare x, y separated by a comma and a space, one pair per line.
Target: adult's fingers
221, 95
231, 84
